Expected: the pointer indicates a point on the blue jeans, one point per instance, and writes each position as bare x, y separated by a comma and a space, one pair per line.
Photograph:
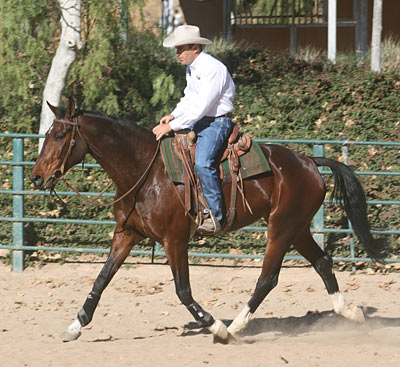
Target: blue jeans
211, 136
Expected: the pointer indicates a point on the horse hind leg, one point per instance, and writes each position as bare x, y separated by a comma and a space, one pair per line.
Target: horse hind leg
265, 283
323, 265
279, 239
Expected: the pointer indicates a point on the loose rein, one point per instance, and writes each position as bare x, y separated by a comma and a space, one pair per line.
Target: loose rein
59, 172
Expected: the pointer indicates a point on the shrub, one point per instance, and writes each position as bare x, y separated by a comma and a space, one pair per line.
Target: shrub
278, 96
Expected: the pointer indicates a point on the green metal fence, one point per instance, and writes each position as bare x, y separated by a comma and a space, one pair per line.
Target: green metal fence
18, 193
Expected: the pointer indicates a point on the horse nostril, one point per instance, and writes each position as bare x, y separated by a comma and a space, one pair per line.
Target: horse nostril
37, 180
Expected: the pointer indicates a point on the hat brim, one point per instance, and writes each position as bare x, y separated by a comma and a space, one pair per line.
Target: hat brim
171, 41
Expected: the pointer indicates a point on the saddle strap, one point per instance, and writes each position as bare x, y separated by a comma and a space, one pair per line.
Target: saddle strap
234, 167
189, 179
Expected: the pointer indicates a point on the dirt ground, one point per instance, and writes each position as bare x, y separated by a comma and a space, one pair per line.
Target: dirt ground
140, 321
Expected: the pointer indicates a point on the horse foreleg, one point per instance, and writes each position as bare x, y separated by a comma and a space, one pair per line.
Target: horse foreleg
323, 265
120, 248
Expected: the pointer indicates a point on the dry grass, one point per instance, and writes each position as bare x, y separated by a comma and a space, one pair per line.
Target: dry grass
390, 55
221, 45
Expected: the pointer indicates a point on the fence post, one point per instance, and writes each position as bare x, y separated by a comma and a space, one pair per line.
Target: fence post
293, 32
18, 206
319, 216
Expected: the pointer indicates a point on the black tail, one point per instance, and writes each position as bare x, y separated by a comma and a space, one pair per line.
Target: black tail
348, 188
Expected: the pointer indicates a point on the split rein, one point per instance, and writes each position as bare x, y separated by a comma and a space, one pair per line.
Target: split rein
59, 172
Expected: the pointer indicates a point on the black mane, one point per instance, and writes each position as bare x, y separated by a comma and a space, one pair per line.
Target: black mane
61, 113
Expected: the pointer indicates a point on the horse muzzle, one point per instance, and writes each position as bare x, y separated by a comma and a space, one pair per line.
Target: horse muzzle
37, 181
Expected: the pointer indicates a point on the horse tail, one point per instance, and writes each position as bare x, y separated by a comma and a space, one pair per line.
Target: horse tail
349, 192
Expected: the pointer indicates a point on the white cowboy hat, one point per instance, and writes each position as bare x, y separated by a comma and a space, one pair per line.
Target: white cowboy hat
185, 35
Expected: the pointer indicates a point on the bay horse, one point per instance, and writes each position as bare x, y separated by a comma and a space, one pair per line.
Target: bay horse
287, 198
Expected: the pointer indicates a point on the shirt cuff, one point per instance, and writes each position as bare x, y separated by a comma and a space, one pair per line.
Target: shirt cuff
176, 113
180, 124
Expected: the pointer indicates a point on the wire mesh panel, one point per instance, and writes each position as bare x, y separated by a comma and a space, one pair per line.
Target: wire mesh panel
279, 12
69, 240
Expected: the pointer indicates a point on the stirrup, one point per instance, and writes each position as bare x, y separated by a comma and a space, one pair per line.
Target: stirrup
210, 224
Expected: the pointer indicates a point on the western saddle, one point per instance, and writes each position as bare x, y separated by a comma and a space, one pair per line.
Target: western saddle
185, 146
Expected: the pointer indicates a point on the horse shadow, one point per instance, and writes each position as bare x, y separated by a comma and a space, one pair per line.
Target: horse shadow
312, 322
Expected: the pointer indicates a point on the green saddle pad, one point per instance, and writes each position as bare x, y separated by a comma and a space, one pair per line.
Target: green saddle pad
251, 164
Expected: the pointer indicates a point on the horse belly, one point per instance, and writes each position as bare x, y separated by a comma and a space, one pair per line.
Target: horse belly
257, 192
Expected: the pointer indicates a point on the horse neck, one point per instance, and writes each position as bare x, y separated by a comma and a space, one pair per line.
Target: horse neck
123, 150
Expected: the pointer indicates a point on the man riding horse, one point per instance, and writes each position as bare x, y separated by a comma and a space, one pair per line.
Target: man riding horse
205, 108
287, 197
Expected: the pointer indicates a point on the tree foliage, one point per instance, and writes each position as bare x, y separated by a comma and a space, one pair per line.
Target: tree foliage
119, 74
27, 38
112, 73
278, 96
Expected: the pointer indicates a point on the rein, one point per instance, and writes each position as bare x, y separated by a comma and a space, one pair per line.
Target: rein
59, 172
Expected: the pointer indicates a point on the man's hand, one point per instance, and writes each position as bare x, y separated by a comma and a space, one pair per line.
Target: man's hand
167, 119
163, 128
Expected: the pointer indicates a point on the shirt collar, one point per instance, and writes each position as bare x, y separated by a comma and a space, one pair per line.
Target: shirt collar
196, 61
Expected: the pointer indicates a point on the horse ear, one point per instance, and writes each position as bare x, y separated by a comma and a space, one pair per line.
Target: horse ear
53, 108
71, 108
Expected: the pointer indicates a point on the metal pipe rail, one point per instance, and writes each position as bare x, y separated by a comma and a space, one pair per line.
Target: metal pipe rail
18, 219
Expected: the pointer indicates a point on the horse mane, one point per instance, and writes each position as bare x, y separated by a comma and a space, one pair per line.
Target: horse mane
61, 113
96, 114
117, 121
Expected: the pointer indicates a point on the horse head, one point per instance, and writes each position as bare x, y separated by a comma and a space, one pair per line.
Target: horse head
63, 147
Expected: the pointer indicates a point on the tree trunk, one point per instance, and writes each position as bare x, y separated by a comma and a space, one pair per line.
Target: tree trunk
65, 56
376, 36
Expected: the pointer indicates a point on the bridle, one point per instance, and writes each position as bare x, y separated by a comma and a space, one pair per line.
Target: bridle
59, 173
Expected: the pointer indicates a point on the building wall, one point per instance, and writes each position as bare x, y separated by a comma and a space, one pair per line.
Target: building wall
208, 15
391, 18
279, 38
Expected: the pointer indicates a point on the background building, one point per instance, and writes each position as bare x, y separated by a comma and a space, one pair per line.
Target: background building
289, 24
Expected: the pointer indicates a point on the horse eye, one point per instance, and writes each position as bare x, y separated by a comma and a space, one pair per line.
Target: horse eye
59, 136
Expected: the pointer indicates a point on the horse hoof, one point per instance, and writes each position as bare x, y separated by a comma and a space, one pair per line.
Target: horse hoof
230, 339
221, 334
235, 329
219, 340
357, 314
69, 336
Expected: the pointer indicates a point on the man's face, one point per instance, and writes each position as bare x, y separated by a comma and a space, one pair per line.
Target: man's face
186, 54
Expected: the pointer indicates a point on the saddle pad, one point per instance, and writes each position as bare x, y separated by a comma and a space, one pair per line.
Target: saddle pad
251, 164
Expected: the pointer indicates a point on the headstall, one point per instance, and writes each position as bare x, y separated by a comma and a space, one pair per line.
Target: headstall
58, 174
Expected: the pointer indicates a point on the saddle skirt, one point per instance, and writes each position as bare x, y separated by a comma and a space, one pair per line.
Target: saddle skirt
252, 161
240, 159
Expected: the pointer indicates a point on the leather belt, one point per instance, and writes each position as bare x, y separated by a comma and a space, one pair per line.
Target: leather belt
229, 114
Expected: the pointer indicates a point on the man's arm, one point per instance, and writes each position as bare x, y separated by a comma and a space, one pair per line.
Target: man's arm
164, 127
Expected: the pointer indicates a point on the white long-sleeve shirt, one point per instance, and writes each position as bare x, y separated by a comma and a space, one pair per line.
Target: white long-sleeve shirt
209, 92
